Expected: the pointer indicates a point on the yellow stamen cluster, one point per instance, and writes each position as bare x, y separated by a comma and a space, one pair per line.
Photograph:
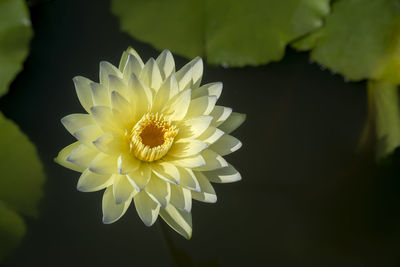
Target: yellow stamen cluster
152, 137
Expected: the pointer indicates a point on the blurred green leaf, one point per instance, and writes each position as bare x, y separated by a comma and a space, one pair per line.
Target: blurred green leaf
12, 229
228, 32
22, 173
360, 40
15, 34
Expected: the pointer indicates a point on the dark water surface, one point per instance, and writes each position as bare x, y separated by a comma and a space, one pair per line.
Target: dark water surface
306, 198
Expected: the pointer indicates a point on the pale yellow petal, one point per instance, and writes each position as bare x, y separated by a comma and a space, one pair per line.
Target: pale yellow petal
210, 89
159, 190
88, 134
122, 189
146, 208
91, 182
139, 95
181, 198
194, 127
188, 179
220, 114
189, 76
225, 175
201, 106
177, 107
133, 65
166, 171
82, 156
100, 95
104, 164
127, 164
62, 158
186, 148
84, 92
119, 103
107, 69
112, 211
166, 63
232, 122
105, 118
117, 84
168, 89
227, 144
125, 56
151, 75
211, 135
178, 220
207, 193
110, 143
140, 177
74, 122
213, 161
188, 162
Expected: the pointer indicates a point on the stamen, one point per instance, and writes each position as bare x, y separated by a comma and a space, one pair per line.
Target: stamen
152, 137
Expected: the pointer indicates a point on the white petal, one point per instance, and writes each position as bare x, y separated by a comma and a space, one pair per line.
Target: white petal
107, 69
84, 92
100, 94
159, 190
140, 177
213, 161
139, 95
146, 208
127, 164
62, 158
188, 162
104, 164
210, 89
151, 75
119, 103
186, 148
91, 182
168, 89
110, 143
201, 106
232, 122
225, 175
104, 118
166, 63
181, 198
117, 84
82, 156
194, 127
227, 144
189, 76
133, 65
125, 56
111, 211
211, 135
122, 189
88, 134
177, 107
220, 114
74, 122
166, 171
188, 179
207, 193
178, 220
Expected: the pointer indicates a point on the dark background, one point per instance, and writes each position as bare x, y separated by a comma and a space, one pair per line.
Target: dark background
306, 198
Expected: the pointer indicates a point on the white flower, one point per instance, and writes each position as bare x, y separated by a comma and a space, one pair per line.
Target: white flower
151, 135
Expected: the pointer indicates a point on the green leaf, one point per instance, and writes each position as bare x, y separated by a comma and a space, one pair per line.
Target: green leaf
12, 229
360, 40
385, 113
22, 173
15, 34
228, 32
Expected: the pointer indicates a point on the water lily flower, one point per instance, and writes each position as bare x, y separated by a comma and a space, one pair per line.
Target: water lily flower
151, 136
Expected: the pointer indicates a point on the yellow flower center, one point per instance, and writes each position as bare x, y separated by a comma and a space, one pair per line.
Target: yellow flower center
152, 137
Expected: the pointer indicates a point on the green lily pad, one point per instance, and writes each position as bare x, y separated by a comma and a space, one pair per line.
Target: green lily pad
360, 40
22, 173
228, 32
15, 34
12, 229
